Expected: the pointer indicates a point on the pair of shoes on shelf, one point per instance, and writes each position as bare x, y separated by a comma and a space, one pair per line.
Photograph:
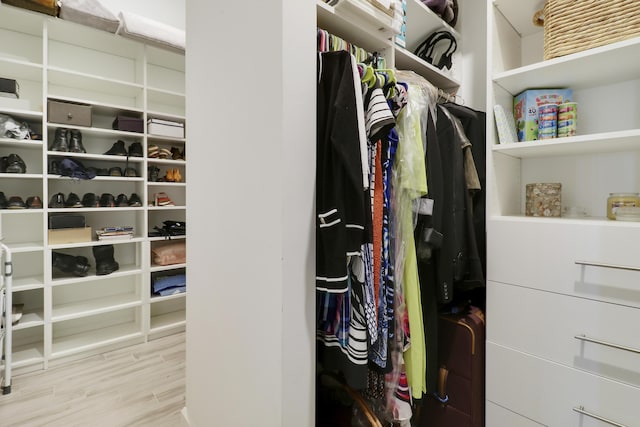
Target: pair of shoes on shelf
59, 201
67, 140
118, 149
107, 200
16, 202
79, 265
173, 175
12, 163
156, 152
176, 154
162, 199
122, 201
128, 172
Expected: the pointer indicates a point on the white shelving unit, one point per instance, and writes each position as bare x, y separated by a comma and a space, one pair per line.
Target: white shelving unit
52, 59
562, 291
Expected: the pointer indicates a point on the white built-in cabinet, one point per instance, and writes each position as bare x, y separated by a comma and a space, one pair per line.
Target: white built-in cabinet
563, 301
66, 316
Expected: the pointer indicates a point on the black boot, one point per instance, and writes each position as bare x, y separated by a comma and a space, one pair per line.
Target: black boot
75, 143
77, 265
105, 263
117, 149
135, 149
60, 141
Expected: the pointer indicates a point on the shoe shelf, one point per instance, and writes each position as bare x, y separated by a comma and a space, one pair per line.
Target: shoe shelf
155, 268
163, 238
159, 299
54, 59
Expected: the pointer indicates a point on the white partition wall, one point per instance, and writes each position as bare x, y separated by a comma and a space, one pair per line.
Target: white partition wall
251, 108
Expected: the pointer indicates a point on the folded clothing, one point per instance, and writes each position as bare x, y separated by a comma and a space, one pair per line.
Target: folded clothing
90, 13
165, 282
151, 32
173, 291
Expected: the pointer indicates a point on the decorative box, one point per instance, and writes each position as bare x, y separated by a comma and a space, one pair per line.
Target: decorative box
128, 124
543, 199
69, 235
69, 113
165, 128
9, 88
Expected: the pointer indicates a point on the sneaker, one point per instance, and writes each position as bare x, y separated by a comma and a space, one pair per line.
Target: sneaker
34, 202
122, 201
15, 164
134, 201
90, 200
107, 200
117, 149
57, 201
73, 201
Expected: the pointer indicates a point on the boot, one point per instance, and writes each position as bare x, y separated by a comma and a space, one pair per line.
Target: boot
117, 149
105, 263
77, 265
135, 149
60, 141
75, 143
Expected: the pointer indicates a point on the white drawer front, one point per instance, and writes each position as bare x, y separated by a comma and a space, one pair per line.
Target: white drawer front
544, 255
547, 392
498, 416
546, 325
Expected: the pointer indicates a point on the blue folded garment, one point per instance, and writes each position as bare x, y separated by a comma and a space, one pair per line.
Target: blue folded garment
169, 281
173, 291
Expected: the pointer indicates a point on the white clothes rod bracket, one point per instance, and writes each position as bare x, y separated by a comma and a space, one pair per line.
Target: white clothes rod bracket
581, 410
605, 265
608, 344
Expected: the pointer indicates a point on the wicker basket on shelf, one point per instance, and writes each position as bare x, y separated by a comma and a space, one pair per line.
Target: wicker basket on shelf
572, 26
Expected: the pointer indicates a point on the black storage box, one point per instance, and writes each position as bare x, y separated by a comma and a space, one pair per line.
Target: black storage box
9, 88
66, 221
69, 113
128, 124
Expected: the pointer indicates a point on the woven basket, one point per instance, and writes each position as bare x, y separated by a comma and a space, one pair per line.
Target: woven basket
575, 25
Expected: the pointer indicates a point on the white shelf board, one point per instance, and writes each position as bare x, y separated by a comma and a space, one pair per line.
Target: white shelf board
166, 162
21, 175
520, 13
70, 78
27, 283
166, 184
166, 116
155, 268
83, 209
97, 178
24, 114
18, 70
588, 220
94, 306
30, 320
21, 211
162, 238
91, 156
24, 247
168, 320
97, 243
166, 208
20, 143
125, 270
26, 355
167, 139
626, 140
422, 22
602, 65
159, 299
366, 27
97, 131
406, 60
92, 339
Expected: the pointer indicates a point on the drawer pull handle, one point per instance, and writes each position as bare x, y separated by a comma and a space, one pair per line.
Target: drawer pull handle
605, 265
580, 410
608, 344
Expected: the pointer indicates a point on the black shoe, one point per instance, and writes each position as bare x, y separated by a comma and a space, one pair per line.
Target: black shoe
130, 172
117, 149
34, 202
135, 149
90, 200
105, 262
4, 204
16, 202
115, 171
77, 265
153, 173
107, 200
57, 201
122, 201
75, 142
176, 154
102, 172
73, 201
134, 201
54, 167
15, 164
60, 141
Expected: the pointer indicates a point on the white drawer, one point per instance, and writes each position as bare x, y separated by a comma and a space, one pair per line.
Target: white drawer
498, 416
547, 393
545, 324
543, 254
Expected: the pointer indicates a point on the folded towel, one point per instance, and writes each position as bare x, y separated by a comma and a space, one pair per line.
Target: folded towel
165, 282
151, 32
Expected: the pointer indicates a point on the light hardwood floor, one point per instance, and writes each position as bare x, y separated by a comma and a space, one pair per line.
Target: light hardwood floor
141, 385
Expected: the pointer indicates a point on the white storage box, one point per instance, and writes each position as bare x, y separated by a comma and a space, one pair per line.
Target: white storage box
165, 128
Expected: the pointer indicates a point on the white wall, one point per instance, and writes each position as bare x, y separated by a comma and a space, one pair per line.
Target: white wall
251, 145
171, 12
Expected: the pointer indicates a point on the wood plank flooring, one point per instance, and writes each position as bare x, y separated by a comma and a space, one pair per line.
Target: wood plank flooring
141, 385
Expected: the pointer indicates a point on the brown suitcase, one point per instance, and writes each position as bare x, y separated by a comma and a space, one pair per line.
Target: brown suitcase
50, 7
461, 352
